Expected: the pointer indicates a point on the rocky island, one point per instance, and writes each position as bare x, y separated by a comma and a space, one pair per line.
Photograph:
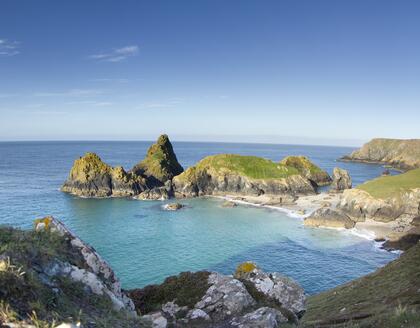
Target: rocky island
160, 176
400, 154
91, 177
51, 278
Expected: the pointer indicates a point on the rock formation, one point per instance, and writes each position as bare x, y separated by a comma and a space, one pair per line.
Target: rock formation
160, 164
235, 174
307, 169
90, 177
341, 180
327, 217
252, 298
401, 154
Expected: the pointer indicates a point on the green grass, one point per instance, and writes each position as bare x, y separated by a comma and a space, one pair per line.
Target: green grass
392, 186
249, 166
388, 297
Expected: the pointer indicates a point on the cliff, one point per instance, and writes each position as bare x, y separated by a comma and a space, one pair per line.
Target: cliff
401, 154
48, 275
236, 174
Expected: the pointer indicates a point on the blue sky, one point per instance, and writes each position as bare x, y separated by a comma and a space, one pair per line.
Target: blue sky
320, 72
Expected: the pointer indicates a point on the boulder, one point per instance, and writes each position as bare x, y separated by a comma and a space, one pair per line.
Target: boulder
403, 240
308, 169
341, 180
173, 206
229, 204
91, 177
327, 217
160, 164
285, 292
264, 317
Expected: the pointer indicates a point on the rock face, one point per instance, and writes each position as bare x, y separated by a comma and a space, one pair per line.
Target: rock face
274, 286
341, 180
160, 164
210, 299
402, 154
234, 174
327, 217
90, 177
307, 169
51, 272
174, 206
360, 205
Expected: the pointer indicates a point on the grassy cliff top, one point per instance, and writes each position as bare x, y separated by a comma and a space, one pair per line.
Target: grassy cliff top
391, 186
249, 166
389, 297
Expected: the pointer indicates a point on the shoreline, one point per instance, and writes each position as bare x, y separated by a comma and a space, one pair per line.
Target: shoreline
304, 206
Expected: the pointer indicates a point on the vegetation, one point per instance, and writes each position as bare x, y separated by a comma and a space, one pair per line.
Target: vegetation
249, 166
301, 163
187, 289
388, 297
392, 186
28, 296
88, 167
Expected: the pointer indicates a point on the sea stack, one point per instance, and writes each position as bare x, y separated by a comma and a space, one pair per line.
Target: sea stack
160, 164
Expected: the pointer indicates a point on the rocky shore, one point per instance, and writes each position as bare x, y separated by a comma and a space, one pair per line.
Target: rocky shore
51, 278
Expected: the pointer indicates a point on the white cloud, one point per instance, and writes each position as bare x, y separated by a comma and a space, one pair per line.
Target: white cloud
90, 103
166, 104
9, 48
117, 55
70, 93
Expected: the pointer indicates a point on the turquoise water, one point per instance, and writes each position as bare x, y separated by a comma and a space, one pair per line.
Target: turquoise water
145, 243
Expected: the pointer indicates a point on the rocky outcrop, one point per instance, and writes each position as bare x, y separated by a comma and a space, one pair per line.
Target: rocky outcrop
308, 169
48, 275
160, 164
210, 299
327, 217
90, 177
401, 154
234, 174
360, 205
341, 180
173, 206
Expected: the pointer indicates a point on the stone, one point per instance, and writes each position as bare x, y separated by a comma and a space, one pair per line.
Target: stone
263, 317
157, 320
327, 217
225, 297
341, 180
285, 291
229, 204
174, 206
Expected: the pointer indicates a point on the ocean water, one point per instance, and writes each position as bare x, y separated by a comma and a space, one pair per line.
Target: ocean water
144, 243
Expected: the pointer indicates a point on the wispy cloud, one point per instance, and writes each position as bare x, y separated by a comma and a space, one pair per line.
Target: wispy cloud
9, 48
70, 93
90, 103
117, 55
110, 80
165, 104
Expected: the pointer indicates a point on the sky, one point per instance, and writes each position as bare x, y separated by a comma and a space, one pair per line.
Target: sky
308, 72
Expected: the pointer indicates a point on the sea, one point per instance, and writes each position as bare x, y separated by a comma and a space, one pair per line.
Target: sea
145, 243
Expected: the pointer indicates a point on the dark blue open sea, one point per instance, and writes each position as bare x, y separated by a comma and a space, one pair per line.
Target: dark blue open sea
144, 243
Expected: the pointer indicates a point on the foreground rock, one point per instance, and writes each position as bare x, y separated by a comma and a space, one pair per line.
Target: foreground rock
173, 206
307, 169
209, 299
160, 164
327, 217
341, 180
241, 175
90, 177
389, 297
49, 275
401, 154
